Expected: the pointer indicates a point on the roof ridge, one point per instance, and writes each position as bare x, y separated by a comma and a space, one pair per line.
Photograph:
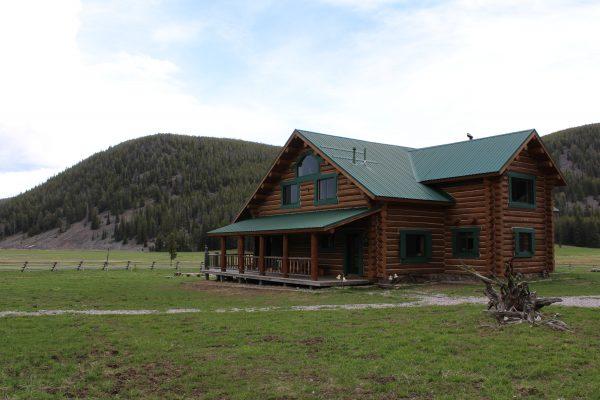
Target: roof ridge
406, 148
470, 141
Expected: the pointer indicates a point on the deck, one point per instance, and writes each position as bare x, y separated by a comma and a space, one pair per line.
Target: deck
291, 280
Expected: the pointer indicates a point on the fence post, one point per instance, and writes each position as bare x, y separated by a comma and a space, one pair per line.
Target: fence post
152, 266
127, 267
206, 256
80, 266
53, 266
177, 266
24, 266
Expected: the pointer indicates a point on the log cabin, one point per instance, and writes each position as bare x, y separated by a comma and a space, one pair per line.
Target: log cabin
332, 207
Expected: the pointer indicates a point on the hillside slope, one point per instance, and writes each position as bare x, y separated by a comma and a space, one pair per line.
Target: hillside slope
163, 187
577, 151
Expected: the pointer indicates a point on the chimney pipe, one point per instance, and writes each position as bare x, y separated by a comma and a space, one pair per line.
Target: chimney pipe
354, 155
365, 154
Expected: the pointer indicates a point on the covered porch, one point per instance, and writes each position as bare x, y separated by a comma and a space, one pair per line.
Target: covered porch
304, 249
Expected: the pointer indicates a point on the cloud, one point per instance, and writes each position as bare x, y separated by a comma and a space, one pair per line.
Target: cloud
408, 73
57, 108
178, 32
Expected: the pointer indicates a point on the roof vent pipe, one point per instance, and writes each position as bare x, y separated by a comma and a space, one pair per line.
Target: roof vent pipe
470, 136
354, 155
365, 155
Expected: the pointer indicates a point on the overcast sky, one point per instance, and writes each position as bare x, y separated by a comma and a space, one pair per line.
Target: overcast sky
79, 76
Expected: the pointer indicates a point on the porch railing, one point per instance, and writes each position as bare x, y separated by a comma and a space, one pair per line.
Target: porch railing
251, 263
273, 264
299, 265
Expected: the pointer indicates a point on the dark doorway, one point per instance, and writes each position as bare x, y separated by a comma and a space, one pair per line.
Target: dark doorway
353, 254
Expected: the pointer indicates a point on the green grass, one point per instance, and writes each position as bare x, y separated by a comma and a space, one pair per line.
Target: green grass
571, 255
144, 289
416, 353
425, 353
565, 281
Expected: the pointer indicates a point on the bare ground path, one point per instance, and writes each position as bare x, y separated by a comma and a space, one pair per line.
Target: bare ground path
419, 301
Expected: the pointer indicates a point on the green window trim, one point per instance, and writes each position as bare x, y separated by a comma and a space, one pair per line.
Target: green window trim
294, 204
299, 161
456, 252
332, 200
415, 260
519, 204
524, 254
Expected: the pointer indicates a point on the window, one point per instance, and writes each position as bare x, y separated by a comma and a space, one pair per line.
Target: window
415, 246
308, 166
326, 190
326, 242
290, 195
521, 190
524, 242
465, 242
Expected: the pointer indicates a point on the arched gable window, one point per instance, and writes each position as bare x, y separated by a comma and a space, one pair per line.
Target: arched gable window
308, 165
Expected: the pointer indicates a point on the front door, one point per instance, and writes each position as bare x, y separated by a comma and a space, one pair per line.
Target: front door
353, 254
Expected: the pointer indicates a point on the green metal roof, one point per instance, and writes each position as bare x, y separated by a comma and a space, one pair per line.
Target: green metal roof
296, 221
401, 172
388, 171
472, 157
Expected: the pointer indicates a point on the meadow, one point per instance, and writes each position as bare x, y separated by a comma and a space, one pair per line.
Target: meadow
277, 352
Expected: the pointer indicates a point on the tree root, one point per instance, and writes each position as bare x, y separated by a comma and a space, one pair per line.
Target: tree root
511, 302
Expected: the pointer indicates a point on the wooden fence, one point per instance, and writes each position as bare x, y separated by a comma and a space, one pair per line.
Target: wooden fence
83, 265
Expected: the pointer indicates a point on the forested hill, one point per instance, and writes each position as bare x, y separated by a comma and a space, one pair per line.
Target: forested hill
156, 187
577, 151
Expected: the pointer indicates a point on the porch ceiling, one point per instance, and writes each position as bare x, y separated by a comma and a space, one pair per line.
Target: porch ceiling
307, 221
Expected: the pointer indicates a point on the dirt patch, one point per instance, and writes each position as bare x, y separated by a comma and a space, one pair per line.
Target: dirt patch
382, 380
233, 289
272, 338
312, 341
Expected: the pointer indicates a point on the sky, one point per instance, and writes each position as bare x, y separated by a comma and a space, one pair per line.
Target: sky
79, 76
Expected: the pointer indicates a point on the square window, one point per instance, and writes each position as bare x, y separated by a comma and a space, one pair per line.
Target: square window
290, 194
524, 242
465, 242
521, 190
415, 246
326, 190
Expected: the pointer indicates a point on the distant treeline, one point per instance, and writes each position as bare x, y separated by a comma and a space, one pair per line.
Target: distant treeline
577, 150
179, 187
167, 188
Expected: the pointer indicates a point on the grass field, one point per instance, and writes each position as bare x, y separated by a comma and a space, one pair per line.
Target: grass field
415, 353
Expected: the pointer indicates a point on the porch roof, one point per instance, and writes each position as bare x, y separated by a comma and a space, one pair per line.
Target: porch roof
306, 221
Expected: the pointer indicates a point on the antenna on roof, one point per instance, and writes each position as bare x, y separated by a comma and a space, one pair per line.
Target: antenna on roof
365, 155
470, 136
354, 155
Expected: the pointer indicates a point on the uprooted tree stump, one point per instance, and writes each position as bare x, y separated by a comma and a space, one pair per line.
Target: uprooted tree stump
511, 302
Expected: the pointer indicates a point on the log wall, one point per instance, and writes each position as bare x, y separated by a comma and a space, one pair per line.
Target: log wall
482, 203
413, 217
539, 218
269, 202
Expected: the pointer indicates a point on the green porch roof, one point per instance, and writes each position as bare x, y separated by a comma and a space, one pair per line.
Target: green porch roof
402, 172
316, 220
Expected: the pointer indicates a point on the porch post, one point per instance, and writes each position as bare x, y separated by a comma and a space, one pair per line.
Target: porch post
261, 255
285, 261
223, 253
240, 251
314, 257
